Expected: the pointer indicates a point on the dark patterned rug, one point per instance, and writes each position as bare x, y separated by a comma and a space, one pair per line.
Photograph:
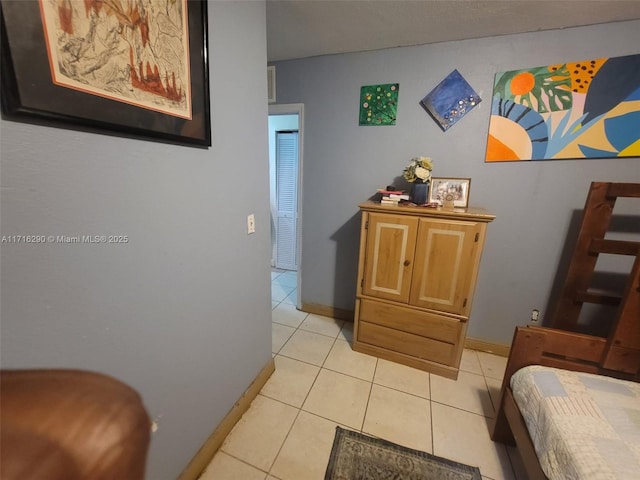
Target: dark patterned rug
355, 456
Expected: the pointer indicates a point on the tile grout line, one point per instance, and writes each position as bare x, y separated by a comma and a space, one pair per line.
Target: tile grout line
433, 440
292, 333
331, 348
239, 460
286, 437
320, 367
366, 408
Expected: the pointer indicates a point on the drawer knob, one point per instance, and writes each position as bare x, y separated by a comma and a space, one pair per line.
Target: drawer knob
407, 263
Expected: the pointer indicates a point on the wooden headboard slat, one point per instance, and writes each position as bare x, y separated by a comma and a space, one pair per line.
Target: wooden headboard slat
631, 190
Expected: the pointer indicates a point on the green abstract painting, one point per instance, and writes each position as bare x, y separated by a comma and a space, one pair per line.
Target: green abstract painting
379, 104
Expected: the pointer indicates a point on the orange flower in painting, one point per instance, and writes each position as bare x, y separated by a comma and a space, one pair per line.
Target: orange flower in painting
522, 83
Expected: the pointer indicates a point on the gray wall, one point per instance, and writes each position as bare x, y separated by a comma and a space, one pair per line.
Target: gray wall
182, 311
535, 202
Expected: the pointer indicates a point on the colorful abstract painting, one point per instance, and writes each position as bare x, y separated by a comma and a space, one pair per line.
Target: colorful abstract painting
588, 109
451, 100
379, 104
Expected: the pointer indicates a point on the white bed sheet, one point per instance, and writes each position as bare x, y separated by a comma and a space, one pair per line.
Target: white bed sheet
583, 426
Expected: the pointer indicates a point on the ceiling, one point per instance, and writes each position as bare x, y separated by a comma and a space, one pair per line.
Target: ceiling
307, 28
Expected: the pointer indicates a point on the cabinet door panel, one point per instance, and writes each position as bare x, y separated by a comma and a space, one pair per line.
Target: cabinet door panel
446, 262
391, 241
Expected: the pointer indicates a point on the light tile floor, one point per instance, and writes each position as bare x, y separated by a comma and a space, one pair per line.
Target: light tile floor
320, 382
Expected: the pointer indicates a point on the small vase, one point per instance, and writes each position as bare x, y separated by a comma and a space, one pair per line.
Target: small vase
419, 193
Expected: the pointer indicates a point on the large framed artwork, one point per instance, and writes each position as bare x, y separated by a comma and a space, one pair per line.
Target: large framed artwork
134, 68
586, 109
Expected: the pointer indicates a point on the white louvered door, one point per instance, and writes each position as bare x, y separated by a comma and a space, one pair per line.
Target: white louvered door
287, 229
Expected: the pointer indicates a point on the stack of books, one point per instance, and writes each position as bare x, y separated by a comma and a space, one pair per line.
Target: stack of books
392, 197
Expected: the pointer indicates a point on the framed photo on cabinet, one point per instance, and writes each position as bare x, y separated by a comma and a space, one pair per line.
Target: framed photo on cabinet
444, 190
130, 69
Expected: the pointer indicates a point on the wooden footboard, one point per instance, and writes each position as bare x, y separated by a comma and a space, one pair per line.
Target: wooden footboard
521, 435
551, 348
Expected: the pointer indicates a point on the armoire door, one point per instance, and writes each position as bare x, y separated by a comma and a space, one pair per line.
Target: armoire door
391, 241
445, 264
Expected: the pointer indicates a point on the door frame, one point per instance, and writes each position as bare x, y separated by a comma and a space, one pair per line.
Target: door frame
293, 109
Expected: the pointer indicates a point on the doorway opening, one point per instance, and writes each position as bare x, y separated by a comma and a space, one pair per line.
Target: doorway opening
285, 179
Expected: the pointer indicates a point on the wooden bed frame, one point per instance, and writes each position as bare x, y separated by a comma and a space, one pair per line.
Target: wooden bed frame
552, 348
617, 355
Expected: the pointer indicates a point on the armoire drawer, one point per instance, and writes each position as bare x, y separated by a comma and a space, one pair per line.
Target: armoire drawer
425, 324
406, 343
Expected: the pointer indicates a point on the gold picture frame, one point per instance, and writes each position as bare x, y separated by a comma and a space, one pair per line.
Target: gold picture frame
444, 190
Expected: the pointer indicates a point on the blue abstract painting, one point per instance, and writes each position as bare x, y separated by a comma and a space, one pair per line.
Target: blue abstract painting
451, 100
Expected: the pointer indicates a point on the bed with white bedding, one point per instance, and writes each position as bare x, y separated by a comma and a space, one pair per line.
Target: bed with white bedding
570, 418
581, 425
